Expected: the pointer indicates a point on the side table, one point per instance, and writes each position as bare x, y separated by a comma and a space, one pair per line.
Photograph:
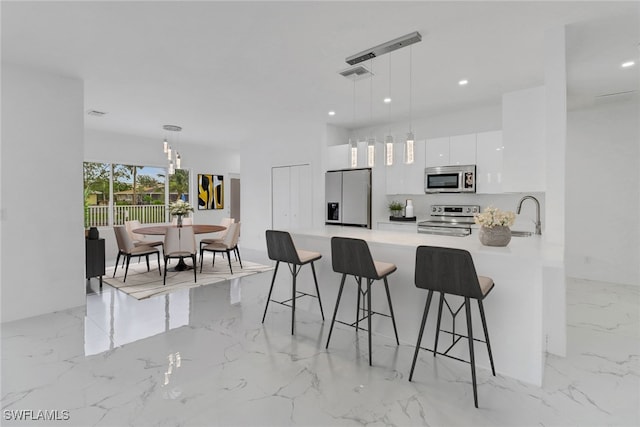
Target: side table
94, 258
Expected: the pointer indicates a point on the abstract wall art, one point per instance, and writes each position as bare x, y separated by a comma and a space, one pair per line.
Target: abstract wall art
210, 191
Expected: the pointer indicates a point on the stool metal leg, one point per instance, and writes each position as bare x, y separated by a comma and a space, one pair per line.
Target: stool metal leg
294, 274
467, 307
486, 336
358, 303
435, 346
313, 269
424, 320
369, 316
335, 310
273, 280
393, 318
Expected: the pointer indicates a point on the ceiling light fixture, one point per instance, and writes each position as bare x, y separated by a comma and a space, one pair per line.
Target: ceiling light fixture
409, 143
174, 162
628, 64
463, 82
332, 113
383, 48
387, 100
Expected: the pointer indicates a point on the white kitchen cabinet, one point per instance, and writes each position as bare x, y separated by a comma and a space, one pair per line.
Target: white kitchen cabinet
437, 152
524, 140
489, 162
406, 178
338, 157
291, 196
462, 149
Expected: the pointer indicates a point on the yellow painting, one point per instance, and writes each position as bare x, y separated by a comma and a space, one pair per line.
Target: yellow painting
210, 191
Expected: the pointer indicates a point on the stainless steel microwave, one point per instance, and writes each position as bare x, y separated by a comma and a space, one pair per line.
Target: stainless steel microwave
450, 179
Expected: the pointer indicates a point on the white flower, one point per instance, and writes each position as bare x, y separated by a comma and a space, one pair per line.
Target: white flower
180, 207
492, 217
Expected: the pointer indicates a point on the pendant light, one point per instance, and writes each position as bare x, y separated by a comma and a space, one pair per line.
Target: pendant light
353, 142
409, 143
173, 156
388, 140
371, 142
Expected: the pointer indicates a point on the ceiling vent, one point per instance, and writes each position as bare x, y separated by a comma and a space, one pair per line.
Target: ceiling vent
96, 113
383, 48
356, 73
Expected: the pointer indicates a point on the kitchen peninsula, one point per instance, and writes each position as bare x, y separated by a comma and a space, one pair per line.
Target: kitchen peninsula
525, 311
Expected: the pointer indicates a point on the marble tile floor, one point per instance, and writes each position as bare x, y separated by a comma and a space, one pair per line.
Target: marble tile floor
201, 357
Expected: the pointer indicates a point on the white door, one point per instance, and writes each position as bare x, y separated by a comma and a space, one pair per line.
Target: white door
291, 197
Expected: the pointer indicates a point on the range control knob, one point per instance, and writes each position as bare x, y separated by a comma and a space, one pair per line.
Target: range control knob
439, 209
433, 208
467, 209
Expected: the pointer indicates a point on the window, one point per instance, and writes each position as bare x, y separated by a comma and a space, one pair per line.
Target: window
115, 193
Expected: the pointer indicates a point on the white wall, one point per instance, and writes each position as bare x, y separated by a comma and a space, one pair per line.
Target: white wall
284, 144
131, 149
603, 192
42, 266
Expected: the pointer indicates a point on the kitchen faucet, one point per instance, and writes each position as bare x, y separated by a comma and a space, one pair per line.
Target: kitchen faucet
538, 223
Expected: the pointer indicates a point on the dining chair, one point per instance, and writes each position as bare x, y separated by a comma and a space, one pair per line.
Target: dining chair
230, 243
127, 249
139, 239
220, 235
179, 242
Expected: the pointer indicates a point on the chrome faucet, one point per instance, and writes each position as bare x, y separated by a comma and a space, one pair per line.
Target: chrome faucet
538, 223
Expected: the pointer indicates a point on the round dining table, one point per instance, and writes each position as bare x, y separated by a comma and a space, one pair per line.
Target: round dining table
157, 230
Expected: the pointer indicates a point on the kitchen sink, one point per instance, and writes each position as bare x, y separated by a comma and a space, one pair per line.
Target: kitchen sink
516, 233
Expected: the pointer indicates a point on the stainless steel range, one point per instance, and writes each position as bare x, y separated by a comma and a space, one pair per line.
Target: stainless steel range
449, 220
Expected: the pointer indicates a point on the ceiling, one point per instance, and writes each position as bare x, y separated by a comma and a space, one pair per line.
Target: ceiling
228, 71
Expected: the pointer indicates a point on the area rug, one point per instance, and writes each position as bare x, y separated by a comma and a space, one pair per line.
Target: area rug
141, 284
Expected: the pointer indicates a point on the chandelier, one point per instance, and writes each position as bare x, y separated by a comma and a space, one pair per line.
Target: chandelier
173, 156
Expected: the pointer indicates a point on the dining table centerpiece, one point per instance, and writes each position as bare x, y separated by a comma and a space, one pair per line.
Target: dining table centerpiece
494, 226
180, 208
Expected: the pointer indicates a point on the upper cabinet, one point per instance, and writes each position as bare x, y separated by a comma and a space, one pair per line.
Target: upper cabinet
451, 150
403, 178
437, 152
338, 157
524, 140
489, 162
462, 149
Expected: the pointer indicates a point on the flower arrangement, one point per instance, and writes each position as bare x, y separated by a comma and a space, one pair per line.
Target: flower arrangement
180, 207
492, 217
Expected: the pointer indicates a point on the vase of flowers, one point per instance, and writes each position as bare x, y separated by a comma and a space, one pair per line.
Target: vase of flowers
494, 226
180, 208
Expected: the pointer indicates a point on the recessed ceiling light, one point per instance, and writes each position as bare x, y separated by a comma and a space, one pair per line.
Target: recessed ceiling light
628, 64
332, 113
387, 100
463, 82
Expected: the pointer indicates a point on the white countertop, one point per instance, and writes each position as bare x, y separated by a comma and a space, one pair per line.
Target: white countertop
534, 247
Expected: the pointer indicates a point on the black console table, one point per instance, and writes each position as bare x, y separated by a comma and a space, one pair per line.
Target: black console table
94, 258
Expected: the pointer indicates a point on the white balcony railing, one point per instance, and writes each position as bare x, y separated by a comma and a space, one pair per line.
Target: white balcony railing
98, 216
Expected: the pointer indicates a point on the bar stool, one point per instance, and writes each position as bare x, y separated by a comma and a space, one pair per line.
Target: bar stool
280, 248
352, 257
451, 271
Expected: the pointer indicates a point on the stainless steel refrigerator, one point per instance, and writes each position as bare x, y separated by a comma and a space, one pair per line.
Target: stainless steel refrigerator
348, 197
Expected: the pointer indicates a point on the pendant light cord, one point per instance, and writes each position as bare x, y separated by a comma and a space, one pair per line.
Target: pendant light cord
411, 89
